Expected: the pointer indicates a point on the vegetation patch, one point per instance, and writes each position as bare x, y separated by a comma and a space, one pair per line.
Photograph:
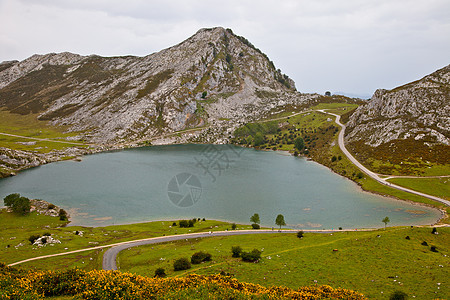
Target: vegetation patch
403, 157
153, 82
15, 284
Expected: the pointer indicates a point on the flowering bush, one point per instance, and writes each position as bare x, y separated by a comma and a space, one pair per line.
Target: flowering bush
117, 285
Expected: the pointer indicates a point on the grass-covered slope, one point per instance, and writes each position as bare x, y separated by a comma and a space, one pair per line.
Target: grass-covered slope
375, 263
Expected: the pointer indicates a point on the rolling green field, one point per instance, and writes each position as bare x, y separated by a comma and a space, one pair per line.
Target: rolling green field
439, 187
374, 263
14, 244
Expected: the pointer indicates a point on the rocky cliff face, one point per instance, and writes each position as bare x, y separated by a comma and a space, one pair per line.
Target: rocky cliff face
213, 79
418, 111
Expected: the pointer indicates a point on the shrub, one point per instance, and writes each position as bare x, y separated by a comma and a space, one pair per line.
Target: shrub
62, 215
333, 159
434, 249
252, 256
204, 94
236, 251
340, 228
44, 240
174, 224
183, 223
33, 238
256, 226
51, 206
199, 257
160, 272
181, 264
203, 219
398, 295
424, 243
300, 234
191, 223
434, 231
233, 226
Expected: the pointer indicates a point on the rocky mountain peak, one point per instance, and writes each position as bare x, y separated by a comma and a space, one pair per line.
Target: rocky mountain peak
210, 77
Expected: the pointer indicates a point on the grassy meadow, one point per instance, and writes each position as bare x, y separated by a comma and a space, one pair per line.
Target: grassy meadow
375, 263
14, 244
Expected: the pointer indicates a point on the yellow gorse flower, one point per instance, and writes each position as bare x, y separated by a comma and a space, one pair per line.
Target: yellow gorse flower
117, 285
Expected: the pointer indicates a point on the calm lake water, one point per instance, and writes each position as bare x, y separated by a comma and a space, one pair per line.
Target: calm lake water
208, 181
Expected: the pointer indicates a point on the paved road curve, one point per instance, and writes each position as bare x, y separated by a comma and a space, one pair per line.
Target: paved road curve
109, 258
372, 174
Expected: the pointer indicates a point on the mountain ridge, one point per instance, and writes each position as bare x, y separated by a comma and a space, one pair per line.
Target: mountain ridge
211, 76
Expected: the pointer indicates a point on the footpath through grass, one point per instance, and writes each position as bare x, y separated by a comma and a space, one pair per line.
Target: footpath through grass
374, 263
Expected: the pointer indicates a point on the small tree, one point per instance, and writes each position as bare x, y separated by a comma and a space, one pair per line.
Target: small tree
62, 215
233, 226
434, 231
280, 221
299, 144
19, 205
385, 221
300, 234
236, 251
204, 94
181, 264
255, 219
258, 139
328, 93
160, 272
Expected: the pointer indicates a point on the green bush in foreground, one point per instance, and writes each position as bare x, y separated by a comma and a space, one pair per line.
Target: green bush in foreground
181, 264
236, 251
253, 256
160, 272
199, 257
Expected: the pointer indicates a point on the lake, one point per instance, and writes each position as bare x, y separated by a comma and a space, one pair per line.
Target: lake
220, 182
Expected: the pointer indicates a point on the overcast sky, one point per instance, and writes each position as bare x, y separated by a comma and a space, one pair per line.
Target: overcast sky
352, 46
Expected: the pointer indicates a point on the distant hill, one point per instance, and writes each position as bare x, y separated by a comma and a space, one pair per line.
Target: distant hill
406, 125
214, 77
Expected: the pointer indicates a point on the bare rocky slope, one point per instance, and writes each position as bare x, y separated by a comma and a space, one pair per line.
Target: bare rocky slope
408, 120
213, 78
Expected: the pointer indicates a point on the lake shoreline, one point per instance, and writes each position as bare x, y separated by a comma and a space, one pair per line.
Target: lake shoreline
442, 212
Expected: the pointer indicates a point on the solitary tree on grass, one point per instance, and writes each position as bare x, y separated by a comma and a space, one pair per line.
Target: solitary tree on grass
280, 221
385, 221
255, 219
